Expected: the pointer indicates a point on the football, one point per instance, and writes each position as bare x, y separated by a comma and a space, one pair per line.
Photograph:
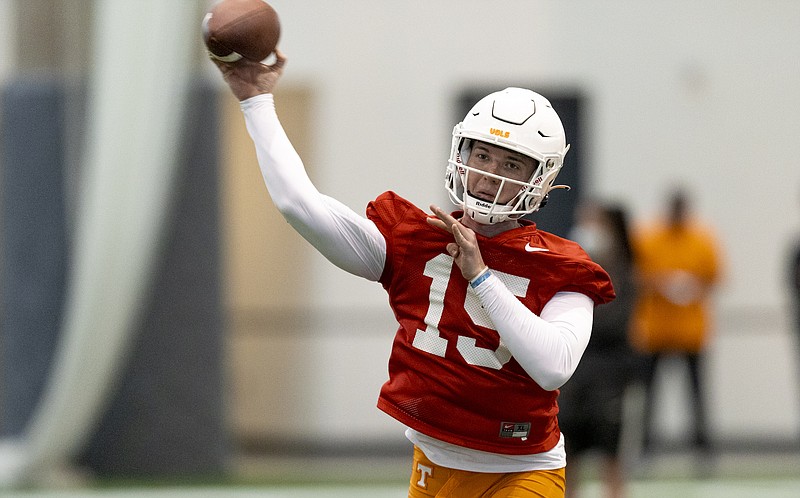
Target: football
236, 29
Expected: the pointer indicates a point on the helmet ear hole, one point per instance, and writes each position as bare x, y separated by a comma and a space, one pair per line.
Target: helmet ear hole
544, 201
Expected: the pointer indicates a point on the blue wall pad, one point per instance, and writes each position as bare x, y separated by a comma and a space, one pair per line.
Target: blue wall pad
166, 419
34, 243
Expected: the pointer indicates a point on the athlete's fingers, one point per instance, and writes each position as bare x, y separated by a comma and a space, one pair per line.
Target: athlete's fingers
459, 235
280, 61
453, 250
436, 222
447, 221
465, 236
462, 235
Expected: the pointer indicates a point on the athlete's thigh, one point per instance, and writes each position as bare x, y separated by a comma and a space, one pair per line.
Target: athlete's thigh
429, 480
426, 478
534, 484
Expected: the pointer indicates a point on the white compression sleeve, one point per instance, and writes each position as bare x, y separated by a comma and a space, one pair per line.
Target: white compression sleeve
349, 241
547, 347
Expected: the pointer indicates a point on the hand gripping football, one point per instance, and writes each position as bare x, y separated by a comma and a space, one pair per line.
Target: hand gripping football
236, 29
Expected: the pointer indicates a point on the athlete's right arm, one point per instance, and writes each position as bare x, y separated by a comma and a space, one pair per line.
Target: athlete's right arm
350, 241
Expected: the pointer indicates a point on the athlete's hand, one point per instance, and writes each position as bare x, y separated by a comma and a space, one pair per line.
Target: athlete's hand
464, 249
248, 78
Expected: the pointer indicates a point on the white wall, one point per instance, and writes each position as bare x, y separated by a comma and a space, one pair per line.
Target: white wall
701, 92
698, 91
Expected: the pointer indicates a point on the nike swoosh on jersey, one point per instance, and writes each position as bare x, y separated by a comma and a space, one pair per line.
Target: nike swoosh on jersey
530, 248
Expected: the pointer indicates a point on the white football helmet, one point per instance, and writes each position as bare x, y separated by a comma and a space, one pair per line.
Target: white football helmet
519, 120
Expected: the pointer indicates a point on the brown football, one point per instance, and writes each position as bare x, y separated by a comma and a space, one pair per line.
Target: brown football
233, 29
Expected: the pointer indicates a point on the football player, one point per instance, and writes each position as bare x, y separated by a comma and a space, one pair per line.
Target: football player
493, 314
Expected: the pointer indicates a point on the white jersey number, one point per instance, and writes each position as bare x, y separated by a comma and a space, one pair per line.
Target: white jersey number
430, 341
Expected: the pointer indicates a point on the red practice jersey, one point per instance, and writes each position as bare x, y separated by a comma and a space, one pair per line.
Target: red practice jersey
450, 377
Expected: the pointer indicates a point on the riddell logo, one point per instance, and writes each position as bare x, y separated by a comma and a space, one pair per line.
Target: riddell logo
499, 133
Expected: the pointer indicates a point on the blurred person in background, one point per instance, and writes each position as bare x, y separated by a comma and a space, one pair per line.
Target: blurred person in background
591, 402
678, 266
493, 313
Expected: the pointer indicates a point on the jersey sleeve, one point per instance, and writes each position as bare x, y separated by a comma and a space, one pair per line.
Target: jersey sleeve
387, 213
590, 279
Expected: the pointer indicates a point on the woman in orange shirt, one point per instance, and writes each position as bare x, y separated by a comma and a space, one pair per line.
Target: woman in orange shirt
677, 267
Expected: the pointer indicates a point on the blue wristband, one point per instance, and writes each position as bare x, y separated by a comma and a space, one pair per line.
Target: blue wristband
480, 278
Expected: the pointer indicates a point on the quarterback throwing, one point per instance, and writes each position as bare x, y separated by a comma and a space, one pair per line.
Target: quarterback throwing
493, 314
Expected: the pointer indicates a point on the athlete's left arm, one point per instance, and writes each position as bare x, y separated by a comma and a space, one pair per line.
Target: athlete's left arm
549, 346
